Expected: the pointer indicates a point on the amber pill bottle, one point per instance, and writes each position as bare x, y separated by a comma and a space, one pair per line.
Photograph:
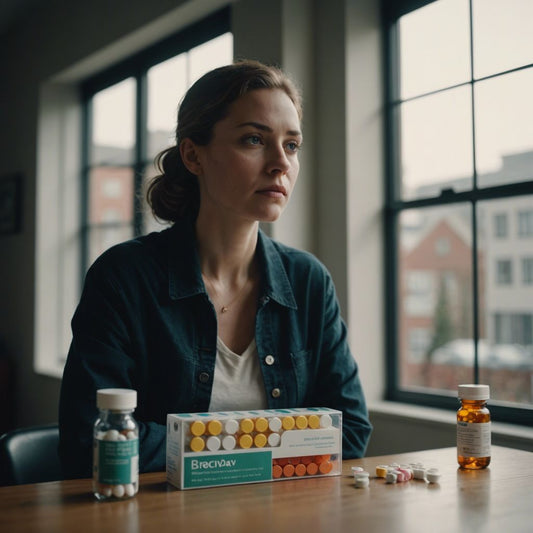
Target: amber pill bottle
473, 427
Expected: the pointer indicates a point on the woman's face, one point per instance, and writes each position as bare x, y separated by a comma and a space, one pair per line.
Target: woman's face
249, 168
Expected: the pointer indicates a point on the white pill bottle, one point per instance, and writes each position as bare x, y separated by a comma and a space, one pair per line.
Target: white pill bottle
115, 445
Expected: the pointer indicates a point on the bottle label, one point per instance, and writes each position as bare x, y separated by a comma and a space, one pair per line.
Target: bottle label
118, 461
473, 440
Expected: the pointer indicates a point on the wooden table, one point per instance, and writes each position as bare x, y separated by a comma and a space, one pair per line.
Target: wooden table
498, 499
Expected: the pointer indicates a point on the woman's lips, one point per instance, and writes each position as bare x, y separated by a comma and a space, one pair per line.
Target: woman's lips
275, 191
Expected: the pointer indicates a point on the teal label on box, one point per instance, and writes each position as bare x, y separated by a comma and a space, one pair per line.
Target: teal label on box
209, 470
118, 461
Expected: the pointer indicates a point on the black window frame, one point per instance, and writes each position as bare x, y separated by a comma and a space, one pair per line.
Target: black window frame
391, 11
136, 67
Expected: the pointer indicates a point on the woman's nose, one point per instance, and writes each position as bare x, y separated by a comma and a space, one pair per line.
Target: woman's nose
278, 162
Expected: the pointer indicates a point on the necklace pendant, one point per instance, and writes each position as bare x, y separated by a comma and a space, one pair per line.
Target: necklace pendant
223, 309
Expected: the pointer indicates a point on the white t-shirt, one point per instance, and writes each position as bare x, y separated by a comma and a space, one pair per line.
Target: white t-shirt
238, 383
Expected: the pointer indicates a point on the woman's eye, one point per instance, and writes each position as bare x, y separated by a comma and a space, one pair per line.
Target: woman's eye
293, 146
252, 139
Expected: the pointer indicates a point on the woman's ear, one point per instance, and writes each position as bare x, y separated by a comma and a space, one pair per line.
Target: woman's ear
189, 156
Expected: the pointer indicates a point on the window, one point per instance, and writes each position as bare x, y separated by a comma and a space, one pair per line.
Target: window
130, 116
504, 272
460, 176
525, 223
500, 225
527, 270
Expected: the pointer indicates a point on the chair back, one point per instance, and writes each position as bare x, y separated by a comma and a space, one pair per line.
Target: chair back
29, 455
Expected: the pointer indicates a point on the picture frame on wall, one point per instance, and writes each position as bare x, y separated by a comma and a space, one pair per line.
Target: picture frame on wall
10, 203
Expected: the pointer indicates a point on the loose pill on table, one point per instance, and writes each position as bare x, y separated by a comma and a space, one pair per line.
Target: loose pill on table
419, 473
381, 471
433, 475
391, 477
362, 482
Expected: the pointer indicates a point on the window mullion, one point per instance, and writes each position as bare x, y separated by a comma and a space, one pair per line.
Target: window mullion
141, 114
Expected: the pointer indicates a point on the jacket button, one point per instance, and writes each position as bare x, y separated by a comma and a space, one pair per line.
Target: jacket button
269, 360
276, 393
203, 377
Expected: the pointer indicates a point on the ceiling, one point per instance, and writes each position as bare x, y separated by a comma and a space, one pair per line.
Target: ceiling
12, 10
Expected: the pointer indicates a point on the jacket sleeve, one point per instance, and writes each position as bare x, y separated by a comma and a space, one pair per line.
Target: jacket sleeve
339, 385
100, 356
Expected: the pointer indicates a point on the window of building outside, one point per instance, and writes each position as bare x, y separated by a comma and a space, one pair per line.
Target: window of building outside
460, 202
128, 122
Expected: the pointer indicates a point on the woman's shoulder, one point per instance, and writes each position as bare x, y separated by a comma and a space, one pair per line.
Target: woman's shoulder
136, 255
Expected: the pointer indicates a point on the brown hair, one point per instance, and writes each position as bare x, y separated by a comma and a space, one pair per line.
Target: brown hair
174, 193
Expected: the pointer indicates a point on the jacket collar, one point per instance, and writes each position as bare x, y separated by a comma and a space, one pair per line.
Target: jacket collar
185, 277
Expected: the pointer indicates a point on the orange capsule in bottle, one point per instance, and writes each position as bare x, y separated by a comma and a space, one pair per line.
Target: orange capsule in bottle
473, 427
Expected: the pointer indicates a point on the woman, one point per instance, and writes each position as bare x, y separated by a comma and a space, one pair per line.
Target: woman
211, 314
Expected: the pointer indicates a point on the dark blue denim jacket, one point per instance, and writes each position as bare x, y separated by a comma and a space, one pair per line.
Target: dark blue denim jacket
145, 322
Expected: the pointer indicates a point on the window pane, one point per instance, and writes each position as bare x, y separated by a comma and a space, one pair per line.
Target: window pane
435, 298
113, 124
110, 195
436, 143
502, 35
103, 237
504, 128
434, 47
210, 55
506, 345
167, 83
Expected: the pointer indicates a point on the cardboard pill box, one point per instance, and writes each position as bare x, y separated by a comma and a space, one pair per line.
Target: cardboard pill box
234, 447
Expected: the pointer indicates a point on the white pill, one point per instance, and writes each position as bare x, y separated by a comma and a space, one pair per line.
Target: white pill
274, 423
112, 434
231, 426
357, 469
129, 489
229, 442
131, 435
391, 477
433, 475
274, 439
213, 443
419, 472
325, 421
122, 437
362, 482
118, 491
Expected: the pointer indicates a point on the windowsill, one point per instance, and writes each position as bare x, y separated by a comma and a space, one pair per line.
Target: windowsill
429, 416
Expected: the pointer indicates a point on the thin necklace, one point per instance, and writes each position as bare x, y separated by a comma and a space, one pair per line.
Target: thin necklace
224, 308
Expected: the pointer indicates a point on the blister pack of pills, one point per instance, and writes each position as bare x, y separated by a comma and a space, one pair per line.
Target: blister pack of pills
226, 448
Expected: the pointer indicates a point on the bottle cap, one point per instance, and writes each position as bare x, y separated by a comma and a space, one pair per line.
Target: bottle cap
474, 392
116, 399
